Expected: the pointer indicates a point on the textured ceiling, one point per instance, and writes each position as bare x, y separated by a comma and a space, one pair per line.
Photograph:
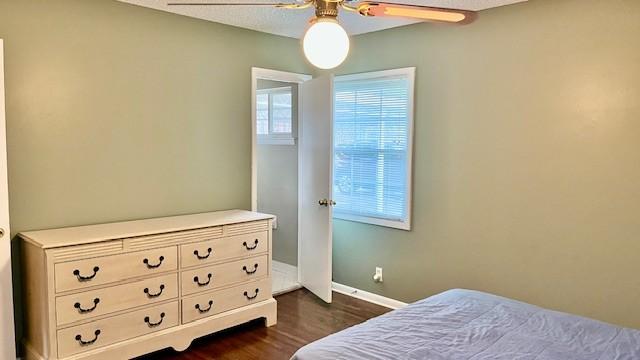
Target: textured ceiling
292, 23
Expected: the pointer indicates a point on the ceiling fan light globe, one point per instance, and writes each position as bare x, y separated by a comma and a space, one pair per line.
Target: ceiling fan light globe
325, 44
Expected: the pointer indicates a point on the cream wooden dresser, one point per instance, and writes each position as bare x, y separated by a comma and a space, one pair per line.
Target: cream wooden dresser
120, 290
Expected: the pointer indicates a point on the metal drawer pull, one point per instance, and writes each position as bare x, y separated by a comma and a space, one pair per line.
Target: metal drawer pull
88, 342
246, 294
148, 321
202, 311
86, 278
88, 310
197, 280
249, 272
153, 266
202, 257
150, 295
255, 245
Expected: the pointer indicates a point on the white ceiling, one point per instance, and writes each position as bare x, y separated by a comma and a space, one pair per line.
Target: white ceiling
292, 23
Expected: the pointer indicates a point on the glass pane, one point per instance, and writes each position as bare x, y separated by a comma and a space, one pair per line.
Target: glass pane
282, 112
262, 114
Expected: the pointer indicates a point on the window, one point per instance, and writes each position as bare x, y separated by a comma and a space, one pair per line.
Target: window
372, 151
274, 115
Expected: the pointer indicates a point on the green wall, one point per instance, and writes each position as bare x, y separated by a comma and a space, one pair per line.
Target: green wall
118, 112
527, 160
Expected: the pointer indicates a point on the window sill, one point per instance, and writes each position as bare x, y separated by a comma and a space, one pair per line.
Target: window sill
395, 224
268, 140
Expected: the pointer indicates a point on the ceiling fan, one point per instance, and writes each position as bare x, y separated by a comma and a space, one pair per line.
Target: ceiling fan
326, 43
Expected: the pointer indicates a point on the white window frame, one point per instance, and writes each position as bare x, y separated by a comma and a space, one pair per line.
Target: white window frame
404, 224
274, 138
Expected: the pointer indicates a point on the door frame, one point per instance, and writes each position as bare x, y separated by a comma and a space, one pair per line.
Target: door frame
282, 76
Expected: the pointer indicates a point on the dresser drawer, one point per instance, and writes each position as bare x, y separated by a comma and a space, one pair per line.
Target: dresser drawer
215, 302
107, 269
211, 251
215, 276
107, 331
89, 304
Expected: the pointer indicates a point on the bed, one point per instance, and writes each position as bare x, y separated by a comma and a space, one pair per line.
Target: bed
471, 325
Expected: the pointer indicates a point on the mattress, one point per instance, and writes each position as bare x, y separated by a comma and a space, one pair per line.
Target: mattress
471, 325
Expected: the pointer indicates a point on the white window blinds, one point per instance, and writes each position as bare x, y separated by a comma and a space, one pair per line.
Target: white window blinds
372, 142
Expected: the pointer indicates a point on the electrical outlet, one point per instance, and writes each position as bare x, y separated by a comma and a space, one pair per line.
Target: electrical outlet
377, 277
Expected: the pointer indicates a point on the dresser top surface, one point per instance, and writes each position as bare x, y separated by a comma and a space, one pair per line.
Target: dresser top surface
89, 234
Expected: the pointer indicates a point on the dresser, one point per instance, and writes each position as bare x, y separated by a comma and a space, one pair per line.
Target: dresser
120, 290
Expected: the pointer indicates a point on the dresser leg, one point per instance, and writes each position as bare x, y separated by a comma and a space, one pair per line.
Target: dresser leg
180, 347
270, 320
271, 317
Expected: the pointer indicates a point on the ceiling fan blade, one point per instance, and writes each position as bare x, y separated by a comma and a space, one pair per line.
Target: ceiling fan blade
230, 4
296, 5
426, 13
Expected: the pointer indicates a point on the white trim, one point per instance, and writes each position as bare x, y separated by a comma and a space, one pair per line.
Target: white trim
377, 74
396, 224
367, 296
405, 224
300, 167
275, 75
278, 90
275, 140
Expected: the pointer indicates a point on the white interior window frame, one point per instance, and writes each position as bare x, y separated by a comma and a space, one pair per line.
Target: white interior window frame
275, 138
402, 224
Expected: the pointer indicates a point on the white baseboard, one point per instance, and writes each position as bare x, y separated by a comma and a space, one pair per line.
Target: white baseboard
290, 272
367, 296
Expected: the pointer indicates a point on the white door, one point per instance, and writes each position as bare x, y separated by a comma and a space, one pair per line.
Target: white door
7, 346
316, 168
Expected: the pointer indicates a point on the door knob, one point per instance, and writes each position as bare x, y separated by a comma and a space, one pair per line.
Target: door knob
1, 232
326, 202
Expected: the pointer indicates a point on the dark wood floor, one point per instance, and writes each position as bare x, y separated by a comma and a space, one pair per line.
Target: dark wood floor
302, 318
